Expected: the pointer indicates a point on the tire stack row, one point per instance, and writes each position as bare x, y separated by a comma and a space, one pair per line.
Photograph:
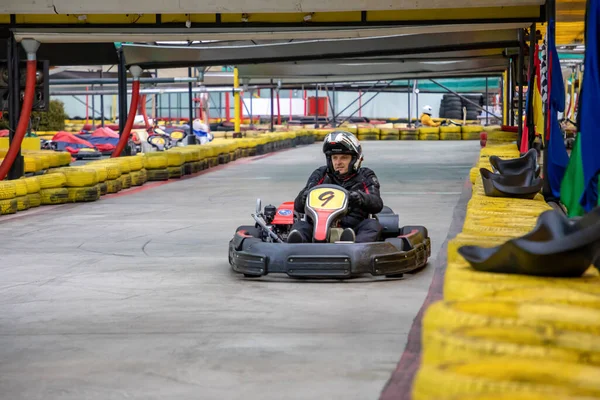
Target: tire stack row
508, 336
451, 107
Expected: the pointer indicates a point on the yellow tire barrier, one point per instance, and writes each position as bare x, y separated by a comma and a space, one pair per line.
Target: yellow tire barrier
464, 283
84, 194
450, 129
54, 196
472, 344
33, 184
450, 136
480, 313
135, 163
156, 161
8, 190
429, 131
470, 135
429, 136
506, 375
138, 178
175, 159
32, 164
80, 176
366, 137
114, 185
103, 188
52, 181
102, 171
8, 206
21, 188
22, 203
175, 172
125, 181
35, 200
158, 174
472, 129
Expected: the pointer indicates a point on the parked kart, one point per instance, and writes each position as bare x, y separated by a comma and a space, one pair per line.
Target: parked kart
259, 249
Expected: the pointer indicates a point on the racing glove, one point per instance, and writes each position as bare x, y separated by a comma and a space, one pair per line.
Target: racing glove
355, 199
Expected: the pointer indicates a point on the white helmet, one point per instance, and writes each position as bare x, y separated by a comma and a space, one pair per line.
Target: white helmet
427, 110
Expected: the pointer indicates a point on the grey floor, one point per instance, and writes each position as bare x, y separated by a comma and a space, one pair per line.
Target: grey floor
132, 297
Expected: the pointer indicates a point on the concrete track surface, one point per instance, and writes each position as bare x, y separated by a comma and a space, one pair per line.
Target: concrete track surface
132, 297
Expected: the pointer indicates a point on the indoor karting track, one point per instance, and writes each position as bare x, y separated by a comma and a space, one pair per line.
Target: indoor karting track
132, 296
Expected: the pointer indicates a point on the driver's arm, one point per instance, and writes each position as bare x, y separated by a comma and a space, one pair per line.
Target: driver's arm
371, 198
313, 180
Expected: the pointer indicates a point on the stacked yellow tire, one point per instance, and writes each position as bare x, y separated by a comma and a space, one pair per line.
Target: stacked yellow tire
506, 336
389, 134
82, 184
8, 192
33, 191
450, 133
471, 132
109, 175
52, 188
156, 166
429, 133
409, 134
367, 132
38, 161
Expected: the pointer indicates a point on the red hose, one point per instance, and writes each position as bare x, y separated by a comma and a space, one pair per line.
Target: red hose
130, 118
278, 110
143, 111
15, 146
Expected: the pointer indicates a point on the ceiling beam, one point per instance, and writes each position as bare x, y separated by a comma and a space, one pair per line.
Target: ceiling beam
148, 56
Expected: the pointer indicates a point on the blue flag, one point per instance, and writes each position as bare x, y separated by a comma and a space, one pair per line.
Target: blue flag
558, 159
589, 107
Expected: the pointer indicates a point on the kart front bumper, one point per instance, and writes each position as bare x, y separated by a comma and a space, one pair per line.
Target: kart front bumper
253, 257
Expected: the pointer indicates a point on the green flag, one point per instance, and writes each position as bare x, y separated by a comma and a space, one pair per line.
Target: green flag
573, 183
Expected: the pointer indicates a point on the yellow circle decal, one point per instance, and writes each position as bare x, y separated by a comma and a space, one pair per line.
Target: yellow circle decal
326, 199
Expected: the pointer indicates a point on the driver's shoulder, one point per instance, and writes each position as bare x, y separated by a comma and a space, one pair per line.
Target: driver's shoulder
366, 172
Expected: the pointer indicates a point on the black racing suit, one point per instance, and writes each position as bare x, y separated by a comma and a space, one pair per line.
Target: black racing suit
366, 187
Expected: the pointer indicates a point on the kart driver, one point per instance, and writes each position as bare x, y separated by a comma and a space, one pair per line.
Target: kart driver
344, 157
426, 118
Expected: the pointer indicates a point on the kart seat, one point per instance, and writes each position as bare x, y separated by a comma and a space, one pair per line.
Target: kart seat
522, 186
516, 166
556, 247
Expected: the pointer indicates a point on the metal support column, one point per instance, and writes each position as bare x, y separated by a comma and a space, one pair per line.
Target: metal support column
316, 106
520, 83
93, 110
14, 106
122, 98
333, 105
511, 111
191, 135
409, 93
101, 102
272, 105
487, 97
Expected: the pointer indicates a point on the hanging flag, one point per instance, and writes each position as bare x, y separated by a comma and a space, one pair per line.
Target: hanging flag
558, 159
573, 183
589, 107
538, 103
534, 118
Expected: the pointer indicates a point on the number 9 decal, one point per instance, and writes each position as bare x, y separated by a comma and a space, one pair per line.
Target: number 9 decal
326, 199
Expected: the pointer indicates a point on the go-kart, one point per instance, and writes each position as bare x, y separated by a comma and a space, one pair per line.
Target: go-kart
260, 249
